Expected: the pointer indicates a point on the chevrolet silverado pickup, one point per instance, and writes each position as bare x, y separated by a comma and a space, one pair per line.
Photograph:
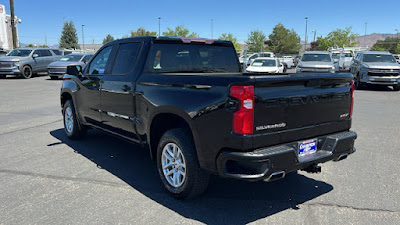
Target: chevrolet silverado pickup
187, 101
376, 68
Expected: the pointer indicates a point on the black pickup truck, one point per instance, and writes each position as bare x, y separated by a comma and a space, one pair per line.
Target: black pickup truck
187, 102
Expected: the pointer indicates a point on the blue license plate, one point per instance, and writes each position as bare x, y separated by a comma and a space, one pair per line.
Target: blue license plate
307, 147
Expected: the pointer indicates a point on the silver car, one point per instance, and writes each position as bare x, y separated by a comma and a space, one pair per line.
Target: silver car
59, 68
25, 62
316, 62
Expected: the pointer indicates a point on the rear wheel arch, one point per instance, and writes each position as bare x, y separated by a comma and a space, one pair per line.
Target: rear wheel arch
161, 123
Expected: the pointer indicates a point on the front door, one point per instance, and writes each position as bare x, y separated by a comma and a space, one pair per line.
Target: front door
117, 91
89, 102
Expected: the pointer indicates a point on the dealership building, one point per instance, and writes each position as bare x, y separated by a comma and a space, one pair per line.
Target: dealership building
5, 29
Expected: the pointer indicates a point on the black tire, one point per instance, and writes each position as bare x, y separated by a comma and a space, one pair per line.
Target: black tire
3, 76
357, 82
27, 72
196, 180
396, 88
284, 68
73, 129
53, 78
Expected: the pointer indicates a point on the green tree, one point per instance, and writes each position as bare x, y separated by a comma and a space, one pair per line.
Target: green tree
233, 39
323, 43
283, 41
337, 38
142, 32
179, 31
389, 44
256, 40
343, 37
69, 38
108, 38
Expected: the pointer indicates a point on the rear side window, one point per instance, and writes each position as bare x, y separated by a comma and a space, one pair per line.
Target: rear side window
57, 52
45, 53
125, 58
191, 58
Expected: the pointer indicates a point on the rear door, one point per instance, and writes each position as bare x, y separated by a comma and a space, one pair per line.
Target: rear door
47, 58
117, 91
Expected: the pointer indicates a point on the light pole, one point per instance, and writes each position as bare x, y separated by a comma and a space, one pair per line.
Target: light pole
365, 29
305, 36
13, 30
397, 33
83, 39
159, 26
315, 33
212, 30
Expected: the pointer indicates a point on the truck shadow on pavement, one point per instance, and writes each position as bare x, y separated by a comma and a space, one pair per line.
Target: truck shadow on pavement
226, 201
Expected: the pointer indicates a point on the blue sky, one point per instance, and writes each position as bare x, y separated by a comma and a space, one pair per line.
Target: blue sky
118, 17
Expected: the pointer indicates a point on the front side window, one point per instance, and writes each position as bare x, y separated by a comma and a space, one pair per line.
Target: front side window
316, 58
99, 63
20, 52
191, 58
378, 58
125, 58
38, 53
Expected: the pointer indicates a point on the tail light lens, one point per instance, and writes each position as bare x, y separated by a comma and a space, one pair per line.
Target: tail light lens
352, 98
243, 118
293, 60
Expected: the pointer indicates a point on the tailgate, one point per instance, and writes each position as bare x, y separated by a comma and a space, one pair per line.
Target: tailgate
300, 106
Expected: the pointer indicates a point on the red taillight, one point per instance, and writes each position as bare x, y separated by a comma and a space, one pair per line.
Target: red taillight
352, 98
293, 60
243, 119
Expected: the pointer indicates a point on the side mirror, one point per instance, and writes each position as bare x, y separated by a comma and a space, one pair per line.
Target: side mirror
336, 60
75, 70
35, 55
280, 65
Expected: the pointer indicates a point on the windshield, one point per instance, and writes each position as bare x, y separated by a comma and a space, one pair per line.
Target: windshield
346, 55
265, 55
264, 62
316, 58
191, 58
335, 54
73, 58
378, 58
20, 52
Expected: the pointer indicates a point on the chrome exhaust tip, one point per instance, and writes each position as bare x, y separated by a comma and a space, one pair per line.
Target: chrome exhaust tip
341, 157
276, 176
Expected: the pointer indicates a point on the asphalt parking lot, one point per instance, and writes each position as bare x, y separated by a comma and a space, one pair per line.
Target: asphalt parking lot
48, 179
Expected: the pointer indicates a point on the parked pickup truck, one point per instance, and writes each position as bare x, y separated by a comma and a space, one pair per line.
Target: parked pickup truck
376, 68
187, 102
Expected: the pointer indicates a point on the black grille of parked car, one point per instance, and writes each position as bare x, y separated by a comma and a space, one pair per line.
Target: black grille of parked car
57, 70
384, 72
6, 64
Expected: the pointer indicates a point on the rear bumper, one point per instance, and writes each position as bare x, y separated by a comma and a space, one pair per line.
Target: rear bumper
261, 164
